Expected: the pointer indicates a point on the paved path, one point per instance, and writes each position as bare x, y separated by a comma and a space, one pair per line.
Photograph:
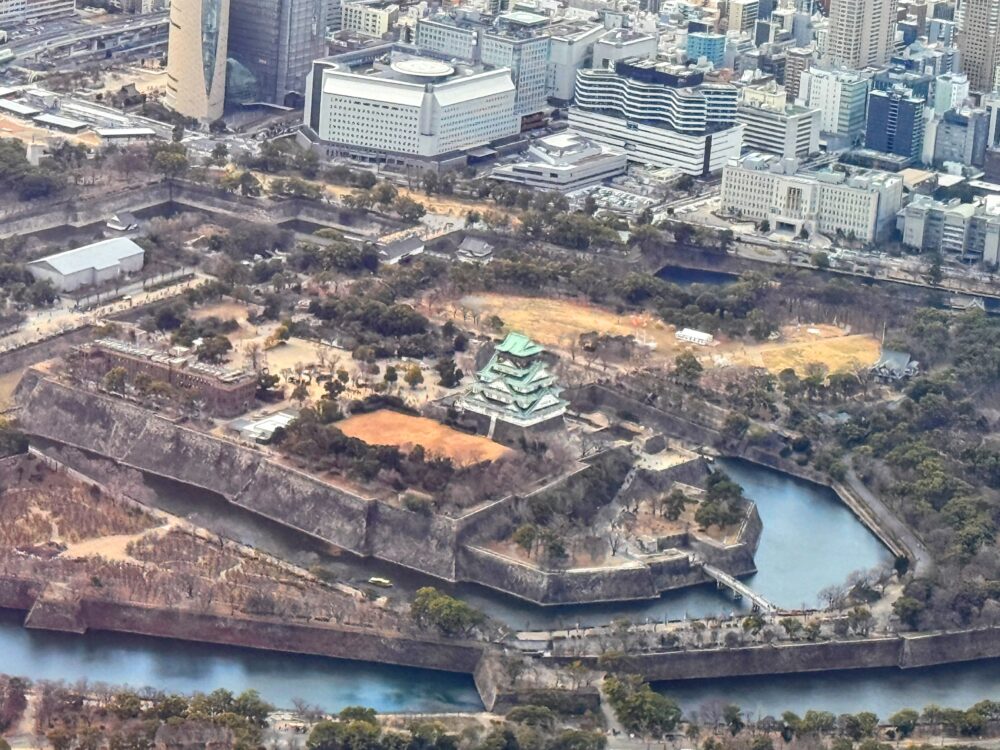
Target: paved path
922, 563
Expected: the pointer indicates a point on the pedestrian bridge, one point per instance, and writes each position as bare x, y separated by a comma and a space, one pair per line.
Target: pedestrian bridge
740, 590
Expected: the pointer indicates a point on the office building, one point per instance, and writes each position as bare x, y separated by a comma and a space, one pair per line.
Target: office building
570, 48
961, 137
895, 123
841, 96
401, 107
920, 85
517, 44
621, 44
862, 32
743, 15
772, 125
991, 103
661, 114
543, 56
861, 204
969, 232
950, 91
797, 61
373, 18
979, 42
565, 161
196, 58
711, 47
274, 42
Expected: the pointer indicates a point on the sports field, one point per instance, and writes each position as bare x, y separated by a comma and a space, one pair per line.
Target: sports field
386, 427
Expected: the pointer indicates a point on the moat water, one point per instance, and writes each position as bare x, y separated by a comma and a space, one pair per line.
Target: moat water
810, 541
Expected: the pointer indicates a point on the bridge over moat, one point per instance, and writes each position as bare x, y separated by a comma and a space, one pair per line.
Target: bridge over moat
740, 590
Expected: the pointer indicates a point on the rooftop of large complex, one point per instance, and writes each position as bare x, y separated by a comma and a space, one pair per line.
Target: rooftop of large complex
403, 66
868, 179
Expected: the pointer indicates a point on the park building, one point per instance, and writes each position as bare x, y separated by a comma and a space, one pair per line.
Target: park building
661, 114
861, 204
224, 392
969, 232
564, 162
515, 389
90, 265
402, 106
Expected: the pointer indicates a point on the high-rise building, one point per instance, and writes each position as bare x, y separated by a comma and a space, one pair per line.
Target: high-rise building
895, 123
743, 15
840, 95
950, 91
661, 114
862, 32
962, 136
196, 58
979, 42
797, 61
275, 41
772, 125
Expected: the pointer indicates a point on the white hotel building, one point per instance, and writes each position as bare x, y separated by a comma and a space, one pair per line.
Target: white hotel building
862, 204
406, 106
660, 114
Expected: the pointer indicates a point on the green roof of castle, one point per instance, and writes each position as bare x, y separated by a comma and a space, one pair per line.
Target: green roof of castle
519, 345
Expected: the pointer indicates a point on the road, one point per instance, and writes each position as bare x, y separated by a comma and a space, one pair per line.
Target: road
43, 324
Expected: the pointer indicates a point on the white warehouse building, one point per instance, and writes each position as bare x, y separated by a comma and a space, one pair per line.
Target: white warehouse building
411, 106
89, 265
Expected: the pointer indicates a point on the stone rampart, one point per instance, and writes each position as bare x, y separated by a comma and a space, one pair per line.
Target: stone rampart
79, 615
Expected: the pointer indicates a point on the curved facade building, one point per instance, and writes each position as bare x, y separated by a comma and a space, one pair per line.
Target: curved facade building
660, 114
196, 62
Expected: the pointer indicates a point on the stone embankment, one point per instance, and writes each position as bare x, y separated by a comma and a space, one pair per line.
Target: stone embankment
902, 651
878, 518
189, 196
439, 546
55, 607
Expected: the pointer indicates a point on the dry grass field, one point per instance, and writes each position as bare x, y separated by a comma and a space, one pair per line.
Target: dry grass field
386, 427
556, 322
801, 346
